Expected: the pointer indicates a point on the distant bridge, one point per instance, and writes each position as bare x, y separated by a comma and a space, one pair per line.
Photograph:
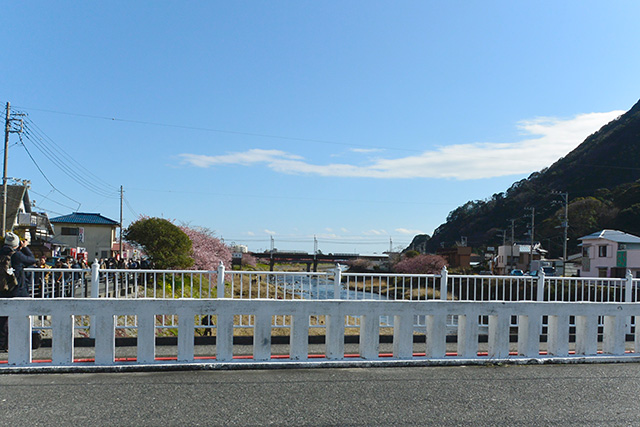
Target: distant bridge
295, 257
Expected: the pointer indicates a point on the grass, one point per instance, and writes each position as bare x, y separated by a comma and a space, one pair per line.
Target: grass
394, 288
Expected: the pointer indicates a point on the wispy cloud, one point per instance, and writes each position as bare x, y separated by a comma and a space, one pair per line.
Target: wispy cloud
544, 140
376, 233
366, 150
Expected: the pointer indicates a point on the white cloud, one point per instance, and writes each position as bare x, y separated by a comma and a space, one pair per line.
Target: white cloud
365, 150
269, 232
549, 139
376, 233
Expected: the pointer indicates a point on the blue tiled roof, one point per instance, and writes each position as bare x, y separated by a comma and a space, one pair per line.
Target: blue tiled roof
84, 218
613, 235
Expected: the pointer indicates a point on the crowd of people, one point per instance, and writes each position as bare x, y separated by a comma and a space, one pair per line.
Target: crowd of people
105, 263
15, 282
125, 264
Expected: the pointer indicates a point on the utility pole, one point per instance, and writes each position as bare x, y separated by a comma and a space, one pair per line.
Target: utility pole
7, 128
7, 131
504, 237
121, 197
565, 226
513, 221
533, 216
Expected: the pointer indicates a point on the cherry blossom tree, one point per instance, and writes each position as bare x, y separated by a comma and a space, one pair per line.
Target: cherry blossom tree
420, 264
208, 250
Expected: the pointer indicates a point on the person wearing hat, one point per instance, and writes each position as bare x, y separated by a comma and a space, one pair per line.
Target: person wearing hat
21, 257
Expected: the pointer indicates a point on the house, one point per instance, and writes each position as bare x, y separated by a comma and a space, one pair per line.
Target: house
35, 227
89, 233
610, 253
459, 256
517, 257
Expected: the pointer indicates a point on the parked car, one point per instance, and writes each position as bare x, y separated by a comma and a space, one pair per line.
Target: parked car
516, 272
548, 271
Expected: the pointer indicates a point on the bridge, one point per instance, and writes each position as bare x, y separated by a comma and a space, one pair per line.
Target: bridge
311, 259
439, 319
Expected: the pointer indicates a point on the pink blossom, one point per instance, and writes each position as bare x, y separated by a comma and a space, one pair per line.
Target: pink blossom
208, 250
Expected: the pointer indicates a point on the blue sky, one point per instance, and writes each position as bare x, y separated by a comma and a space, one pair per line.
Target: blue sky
362, 123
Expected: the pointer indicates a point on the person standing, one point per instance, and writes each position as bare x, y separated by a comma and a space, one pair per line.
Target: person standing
21, 257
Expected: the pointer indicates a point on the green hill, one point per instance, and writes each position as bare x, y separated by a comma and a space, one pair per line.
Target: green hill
600, 176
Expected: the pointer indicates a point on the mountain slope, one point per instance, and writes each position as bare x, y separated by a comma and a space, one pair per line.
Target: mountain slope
599, 176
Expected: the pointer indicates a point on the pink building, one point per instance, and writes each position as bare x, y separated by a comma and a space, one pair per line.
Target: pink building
610, 253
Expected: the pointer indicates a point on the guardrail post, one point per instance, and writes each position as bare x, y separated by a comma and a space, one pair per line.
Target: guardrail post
444, 280
628, 287
337, 281
540, 287
628, 297
95, 293
220, 284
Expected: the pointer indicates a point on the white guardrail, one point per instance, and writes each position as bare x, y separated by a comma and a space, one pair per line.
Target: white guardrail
441, 305
333, 284
222, 312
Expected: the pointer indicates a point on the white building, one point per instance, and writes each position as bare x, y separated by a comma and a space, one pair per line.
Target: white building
87, 232
610, 253
516, 257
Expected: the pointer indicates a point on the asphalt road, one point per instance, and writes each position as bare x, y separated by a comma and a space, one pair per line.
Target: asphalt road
599, 394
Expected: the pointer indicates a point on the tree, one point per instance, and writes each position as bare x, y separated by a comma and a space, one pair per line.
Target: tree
420, 264
207, 250
166, 245
360, 265
629, 219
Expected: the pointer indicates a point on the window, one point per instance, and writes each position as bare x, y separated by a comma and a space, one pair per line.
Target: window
622, 246
69, 231
585, 251
602, 251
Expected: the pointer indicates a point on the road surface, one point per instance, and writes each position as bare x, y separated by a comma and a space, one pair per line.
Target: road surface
598, 394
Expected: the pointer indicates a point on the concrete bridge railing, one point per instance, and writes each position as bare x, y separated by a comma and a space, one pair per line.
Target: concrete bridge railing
586, 342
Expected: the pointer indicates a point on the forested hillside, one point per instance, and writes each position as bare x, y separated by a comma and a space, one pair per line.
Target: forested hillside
601, 177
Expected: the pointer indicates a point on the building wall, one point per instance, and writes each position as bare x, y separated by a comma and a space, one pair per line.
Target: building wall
510, 257
98, 239
612, 261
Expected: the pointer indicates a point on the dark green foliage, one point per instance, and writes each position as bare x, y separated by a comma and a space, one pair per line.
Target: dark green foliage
629, 219
600, 176
164, 242
419, 243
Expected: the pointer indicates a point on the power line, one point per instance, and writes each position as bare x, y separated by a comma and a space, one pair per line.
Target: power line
231, 132
46, 197
126, 202
41, 135
262, 196
45, 176
47, 210
63, 160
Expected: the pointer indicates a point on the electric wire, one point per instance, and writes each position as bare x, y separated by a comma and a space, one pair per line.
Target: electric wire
61, 161
126, 202
46, 197
62, 164
70, 158
231, 132
45, 176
